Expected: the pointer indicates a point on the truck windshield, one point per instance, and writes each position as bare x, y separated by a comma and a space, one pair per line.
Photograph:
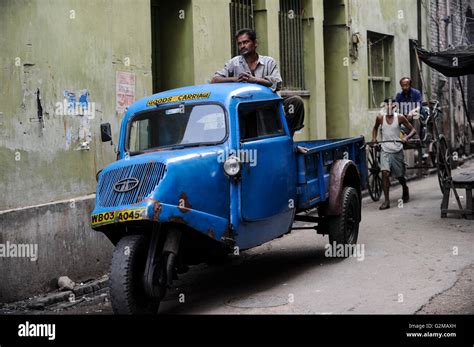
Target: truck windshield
184, 125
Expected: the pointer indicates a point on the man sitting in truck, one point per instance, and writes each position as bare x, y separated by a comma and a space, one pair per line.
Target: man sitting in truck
392, 159
251, 67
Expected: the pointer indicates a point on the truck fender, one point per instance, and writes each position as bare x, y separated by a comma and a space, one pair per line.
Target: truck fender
344, 173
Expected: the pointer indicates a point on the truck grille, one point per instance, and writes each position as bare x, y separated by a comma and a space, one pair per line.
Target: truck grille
148, 175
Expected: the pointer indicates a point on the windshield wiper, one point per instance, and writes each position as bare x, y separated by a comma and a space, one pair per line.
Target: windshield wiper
176, 147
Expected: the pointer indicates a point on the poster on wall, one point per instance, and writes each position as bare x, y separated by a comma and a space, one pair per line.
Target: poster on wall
125, 90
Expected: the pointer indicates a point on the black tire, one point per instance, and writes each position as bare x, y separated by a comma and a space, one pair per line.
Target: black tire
344, 229
374, 177
126, 277
443, 164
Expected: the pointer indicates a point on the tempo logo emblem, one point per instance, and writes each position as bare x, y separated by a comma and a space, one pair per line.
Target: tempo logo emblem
37, 330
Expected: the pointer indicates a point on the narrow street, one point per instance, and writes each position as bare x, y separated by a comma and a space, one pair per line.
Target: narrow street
413, 262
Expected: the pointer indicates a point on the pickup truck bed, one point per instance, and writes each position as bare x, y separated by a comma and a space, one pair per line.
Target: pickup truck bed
314, 166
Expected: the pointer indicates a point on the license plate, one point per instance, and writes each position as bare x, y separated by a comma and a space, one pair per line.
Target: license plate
117, 216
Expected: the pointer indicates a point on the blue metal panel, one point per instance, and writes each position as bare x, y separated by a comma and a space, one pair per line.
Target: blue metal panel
260, 209
267, 187
314, 166
256, 233
194, 184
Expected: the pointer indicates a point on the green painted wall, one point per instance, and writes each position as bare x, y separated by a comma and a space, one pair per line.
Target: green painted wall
211, 38
266, 25
176, 44
314, 66
395, 17
63, 45
336, 68
348, 112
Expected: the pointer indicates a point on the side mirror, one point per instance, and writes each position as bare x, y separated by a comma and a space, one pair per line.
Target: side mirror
105, 132
97, 175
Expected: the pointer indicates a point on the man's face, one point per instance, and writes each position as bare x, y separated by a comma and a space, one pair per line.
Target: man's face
389, 107
246, 45
405, 84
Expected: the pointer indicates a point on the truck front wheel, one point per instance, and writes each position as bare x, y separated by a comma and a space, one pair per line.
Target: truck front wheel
126, 277
344, 229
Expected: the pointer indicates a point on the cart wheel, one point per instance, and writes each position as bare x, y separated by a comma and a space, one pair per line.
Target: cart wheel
443, 162
344, 229
126, 277
374, 178
434, 154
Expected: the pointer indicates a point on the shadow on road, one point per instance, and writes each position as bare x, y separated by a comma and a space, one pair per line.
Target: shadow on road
247, 274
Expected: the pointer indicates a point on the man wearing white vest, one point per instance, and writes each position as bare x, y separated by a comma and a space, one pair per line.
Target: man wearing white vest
392, 159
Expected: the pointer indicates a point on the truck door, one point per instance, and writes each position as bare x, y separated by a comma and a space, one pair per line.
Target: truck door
268, 186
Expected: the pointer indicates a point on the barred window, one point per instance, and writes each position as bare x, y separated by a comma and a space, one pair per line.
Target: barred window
380, 67
291, 44
241, 16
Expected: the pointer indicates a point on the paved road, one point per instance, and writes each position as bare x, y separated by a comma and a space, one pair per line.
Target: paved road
414, 262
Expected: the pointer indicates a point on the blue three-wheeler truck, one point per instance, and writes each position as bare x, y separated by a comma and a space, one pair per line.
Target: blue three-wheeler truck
205, 171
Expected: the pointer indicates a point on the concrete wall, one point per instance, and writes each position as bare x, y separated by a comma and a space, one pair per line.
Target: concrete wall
66, 246
53, 46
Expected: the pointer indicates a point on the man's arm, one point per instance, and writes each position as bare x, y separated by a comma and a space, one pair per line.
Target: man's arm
225, 75
220, 79
246, 77
272, 79
375, 130
405, 122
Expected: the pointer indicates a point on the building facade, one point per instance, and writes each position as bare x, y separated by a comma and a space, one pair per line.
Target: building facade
450, 23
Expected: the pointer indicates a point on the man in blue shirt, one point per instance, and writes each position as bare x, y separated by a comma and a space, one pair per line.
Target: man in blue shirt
409, 100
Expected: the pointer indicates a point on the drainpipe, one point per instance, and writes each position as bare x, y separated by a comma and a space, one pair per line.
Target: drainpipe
419, 33
438, 31
449, 36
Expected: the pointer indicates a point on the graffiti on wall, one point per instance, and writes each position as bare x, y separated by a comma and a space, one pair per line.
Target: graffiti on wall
77, 104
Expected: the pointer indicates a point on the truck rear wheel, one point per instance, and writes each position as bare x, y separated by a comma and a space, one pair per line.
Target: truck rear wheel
344, 229
126, 277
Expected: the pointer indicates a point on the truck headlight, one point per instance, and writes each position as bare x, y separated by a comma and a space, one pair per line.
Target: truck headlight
232, 166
